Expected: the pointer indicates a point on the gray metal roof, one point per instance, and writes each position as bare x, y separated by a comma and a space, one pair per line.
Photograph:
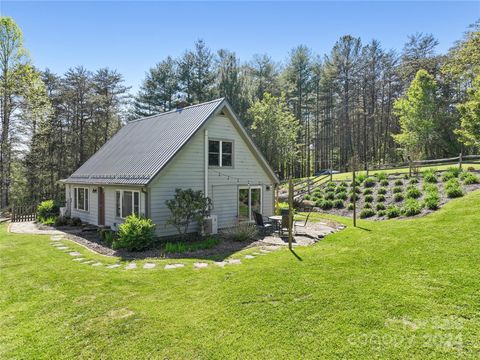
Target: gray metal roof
143, 147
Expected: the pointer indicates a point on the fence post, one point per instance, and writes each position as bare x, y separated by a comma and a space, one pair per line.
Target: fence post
309, 185
290, 212
409, 166
354, 194
366, 168
460, 161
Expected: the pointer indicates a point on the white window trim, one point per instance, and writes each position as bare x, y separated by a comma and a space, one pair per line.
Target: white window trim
133, 202
249, 200
220, 153
86, 199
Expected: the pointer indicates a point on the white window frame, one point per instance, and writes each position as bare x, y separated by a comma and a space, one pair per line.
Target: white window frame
220, 152
250, 218
122, 215
86, 199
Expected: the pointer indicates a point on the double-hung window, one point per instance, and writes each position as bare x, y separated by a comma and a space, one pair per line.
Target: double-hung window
80, 199
220, 153
127, 203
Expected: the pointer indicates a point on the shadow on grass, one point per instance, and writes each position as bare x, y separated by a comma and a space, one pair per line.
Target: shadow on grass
362, 228
296, 255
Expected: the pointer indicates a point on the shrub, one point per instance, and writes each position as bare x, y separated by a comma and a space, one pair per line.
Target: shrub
398, 182
398, 197
75, 221
241, 232
384, 182
413, 181
470, 179
47, 209
455, 171
367, 206
411, 207
61, 221
331, 185
135, 234
340, 189
381, 175
107, 235
338, 204
381, 198
187, 206
368, 198
382, 191
413, 192
317, 192
326, 204
429, 176
431, 200
447, 176
381, 213
329, 196
453, 189
397, 189
318, 203
341, 195
350, 206
343, 184
406, 176
380, 206
307, 197
361, 177
50, 221
369, 182
430, 188
357, 190
356, 183
366, 213
367, 192
393, 211
357, 197
181, 247
470, 168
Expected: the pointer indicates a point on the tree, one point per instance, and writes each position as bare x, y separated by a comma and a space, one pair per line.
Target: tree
469, 130
203, 76
419, 116
419, 53
275, 130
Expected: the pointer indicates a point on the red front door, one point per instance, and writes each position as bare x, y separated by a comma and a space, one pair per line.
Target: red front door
101, 206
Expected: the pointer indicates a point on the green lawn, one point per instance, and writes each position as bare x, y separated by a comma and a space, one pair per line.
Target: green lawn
391, 289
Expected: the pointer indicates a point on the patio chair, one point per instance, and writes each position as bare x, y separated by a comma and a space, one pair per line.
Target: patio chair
265, 227
285, 219
301, 224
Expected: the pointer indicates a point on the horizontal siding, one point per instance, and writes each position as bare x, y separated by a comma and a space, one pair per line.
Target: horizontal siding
187, 171
90, 216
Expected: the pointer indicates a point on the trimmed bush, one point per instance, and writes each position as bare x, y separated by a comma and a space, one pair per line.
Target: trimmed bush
393, 211
380, 206
397, 189
135, 234
338, 204
367, 192
368, 198
382, 191
366, 213
398, 197
381, 198
411, 207
350, 206
429, 176
413, 192
369, 182
431, 200
398, 182
384, 183
341, 195
47, 210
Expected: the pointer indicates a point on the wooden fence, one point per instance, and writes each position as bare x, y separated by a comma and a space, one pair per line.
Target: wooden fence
21, 213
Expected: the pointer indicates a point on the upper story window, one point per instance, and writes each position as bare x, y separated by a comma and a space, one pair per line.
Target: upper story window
220, 153
80, 199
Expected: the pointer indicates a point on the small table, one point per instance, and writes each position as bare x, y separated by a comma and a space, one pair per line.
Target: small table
277, 220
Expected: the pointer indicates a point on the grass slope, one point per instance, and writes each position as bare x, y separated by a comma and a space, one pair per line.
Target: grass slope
391, 289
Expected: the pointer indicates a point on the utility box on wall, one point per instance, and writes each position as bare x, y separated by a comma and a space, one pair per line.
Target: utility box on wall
211, 225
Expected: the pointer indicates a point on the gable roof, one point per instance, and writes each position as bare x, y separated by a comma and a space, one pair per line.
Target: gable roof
143, 147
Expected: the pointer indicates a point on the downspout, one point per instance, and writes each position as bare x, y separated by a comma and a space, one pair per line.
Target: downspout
206, 164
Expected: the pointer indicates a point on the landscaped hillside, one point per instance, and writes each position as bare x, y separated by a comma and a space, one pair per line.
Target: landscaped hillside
389, 289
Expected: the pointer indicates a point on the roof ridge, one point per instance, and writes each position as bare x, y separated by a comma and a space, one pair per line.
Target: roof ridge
176, 110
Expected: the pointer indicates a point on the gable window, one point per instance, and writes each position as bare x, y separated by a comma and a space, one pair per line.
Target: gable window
220, 153
127, 203
80, 199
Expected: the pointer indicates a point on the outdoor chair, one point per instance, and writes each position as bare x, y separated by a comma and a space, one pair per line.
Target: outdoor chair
285, 219
265, 227
301, 224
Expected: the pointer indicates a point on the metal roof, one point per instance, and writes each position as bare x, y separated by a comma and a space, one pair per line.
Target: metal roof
143, 147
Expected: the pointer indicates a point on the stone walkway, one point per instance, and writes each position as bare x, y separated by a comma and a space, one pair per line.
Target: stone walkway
78, 257
29, 227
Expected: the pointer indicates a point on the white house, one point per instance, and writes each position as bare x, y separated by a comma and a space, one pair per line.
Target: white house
202, 147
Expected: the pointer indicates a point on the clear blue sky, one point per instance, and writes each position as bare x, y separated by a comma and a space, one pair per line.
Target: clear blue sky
133, 36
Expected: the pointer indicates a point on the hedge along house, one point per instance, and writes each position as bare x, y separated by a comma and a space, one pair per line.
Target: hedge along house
202, 147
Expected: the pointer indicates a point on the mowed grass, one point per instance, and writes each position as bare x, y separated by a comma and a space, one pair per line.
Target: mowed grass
392, 289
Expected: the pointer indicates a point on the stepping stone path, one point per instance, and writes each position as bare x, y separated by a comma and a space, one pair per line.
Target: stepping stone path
56, 237
87, 262
113, 266
173, 266
62, 248
78, 259
220, 263
130, 266
149, 265
97, 264
74, 253
249, 257
234, 261
200, 265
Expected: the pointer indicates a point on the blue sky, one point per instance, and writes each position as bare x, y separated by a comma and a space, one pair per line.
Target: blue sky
133, 36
